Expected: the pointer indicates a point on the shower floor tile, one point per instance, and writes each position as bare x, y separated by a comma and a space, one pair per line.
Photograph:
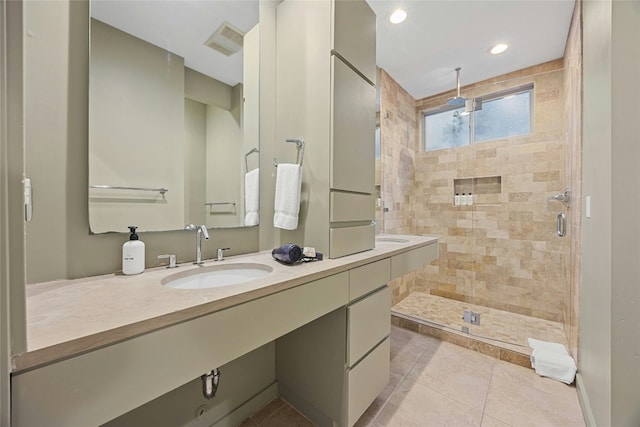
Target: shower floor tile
497, 327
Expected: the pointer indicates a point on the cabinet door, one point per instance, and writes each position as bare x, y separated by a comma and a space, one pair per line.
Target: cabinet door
353, 123
369, 322
354, 35
367, 380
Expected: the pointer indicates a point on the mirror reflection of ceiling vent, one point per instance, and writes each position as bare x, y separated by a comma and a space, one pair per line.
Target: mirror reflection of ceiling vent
227, 39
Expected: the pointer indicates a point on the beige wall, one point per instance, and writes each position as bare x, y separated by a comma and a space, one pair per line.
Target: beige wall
596, 288
267, 41
251, 96
12, 272
625, 156
195, 127
58, 242
136, 133
223, 145
609, 378
206, 90
302, 110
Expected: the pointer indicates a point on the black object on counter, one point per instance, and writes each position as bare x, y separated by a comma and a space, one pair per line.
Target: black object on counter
287, 253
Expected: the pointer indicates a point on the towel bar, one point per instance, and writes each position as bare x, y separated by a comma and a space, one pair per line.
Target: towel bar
112, 187
299, 145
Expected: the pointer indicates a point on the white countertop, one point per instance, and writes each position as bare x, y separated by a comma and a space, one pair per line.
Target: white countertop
69, 317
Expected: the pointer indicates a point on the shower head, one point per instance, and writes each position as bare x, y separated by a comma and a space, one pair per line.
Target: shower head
457, 100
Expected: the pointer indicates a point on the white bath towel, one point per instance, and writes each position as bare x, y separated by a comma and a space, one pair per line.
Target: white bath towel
287, 202
252, 197
552, 360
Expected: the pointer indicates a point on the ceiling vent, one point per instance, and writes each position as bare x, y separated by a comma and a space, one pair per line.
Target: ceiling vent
227, 39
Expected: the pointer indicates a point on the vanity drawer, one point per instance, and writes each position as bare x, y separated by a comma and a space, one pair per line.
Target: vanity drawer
351, 240
351, 207
367, 380
367, 278
368, 323
406, 262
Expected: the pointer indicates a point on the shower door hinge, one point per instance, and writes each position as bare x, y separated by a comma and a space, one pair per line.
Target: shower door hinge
28, 199
471, 317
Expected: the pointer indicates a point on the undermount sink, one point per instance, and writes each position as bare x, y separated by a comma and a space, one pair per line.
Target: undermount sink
216, 276
390, 240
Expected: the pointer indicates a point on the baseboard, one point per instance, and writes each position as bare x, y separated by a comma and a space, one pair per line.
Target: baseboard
241, 413
583, 398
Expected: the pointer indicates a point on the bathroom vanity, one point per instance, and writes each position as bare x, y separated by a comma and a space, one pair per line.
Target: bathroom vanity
102, 346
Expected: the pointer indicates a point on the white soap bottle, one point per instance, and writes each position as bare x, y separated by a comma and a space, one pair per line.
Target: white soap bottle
133, 254
456, 200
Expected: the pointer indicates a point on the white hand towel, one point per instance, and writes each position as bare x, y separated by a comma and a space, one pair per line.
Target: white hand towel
552, 360
287, 202
560, 367
252, 197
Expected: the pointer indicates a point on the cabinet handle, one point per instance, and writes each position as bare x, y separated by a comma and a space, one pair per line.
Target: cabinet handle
561, 224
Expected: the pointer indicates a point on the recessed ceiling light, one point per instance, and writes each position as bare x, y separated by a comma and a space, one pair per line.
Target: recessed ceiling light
499, 48
397, 16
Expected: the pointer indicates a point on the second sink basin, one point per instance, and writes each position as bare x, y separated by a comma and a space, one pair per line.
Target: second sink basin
216, 276
390, 240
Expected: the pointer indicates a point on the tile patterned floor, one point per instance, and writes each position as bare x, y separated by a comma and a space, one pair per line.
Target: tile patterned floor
499, 326
435, 383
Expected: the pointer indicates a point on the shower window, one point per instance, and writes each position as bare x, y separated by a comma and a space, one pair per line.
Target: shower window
446, 129
503, 114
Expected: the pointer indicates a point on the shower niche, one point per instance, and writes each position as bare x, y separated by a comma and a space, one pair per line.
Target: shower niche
483, 191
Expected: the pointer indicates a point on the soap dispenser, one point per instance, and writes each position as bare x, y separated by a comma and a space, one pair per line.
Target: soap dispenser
133, 254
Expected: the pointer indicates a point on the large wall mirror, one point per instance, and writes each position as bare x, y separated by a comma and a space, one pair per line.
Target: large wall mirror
173, 114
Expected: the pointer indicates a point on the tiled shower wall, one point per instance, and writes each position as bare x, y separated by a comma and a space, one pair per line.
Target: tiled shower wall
503, 255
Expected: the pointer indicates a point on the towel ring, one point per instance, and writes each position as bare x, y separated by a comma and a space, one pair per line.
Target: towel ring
299, 145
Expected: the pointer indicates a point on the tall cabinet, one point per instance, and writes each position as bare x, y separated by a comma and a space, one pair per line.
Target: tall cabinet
326, 95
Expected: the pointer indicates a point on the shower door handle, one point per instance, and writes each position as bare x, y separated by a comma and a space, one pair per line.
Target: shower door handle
561, 224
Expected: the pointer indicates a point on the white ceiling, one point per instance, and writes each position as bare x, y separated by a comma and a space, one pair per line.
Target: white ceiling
422, 52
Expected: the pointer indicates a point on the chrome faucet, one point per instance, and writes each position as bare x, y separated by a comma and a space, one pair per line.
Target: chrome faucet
201, 230
221, 254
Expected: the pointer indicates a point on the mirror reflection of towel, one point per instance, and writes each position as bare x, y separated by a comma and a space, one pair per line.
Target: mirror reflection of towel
252, 197
287, 202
